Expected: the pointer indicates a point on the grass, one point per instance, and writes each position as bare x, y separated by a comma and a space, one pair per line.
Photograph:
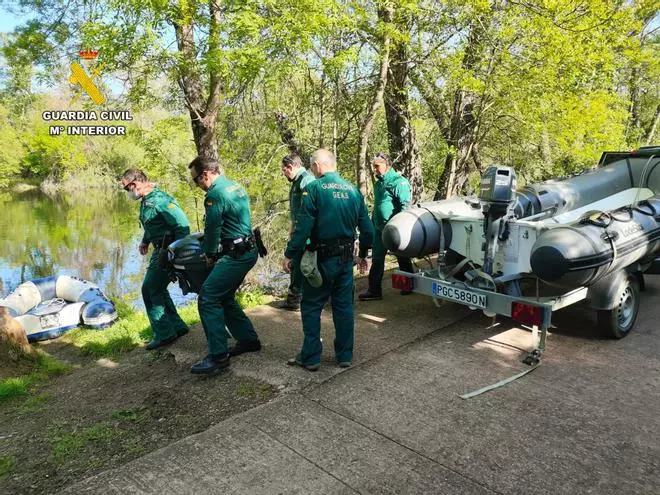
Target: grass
251, 389
73, 445
251, 298
130, 331
65, 447
44, 366
132, 415
132, 328
7, 463
35, 403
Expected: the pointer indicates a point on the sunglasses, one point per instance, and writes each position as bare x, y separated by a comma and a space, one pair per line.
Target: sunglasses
127, 187
197, 177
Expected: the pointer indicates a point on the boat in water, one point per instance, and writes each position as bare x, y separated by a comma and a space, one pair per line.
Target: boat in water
49, 307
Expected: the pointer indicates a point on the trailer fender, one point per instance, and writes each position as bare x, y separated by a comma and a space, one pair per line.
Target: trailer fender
604, 294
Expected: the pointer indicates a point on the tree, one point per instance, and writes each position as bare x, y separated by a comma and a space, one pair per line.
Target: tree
400, 131
385, 14
495, 74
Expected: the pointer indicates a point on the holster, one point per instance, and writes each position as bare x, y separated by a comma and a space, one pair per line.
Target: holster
340, 247
160, 244
237, 247
166, 240
261, 247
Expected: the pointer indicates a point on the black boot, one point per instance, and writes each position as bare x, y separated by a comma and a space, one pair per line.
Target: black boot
292, 302
156, 343
370, 295
211, 364
242, 347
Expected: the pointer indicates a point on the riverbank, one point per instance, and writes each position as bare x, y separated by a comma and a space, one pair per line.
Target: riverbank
93, 400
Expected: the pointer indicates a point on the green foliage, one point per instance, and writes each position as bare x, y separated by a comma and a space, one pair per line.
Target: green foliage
132, 328
7, 463
10, 154
67, 447
251, 298
552, 85
42, 366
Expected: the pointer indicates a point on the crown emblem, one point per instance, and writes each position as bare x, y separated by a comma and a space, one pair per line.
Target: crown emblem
88, 54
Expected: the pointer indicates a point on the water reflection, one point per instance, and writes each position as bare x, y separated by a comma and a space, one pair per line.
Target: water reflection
93, 235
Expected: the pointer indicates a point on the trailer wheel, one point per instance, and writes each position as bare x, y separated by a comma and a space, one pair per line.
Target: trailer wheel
618, 321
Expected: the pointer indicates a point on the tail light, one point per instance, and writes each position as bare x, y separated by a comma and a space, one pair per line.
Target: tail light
402, 282
527, 314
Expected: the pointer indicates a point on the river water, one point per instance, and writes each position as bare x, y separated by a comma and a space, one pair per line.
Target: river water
92, 235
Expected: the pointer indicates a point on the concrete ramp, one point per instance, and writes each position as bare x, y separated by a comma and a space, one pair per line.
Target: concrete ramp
586, 421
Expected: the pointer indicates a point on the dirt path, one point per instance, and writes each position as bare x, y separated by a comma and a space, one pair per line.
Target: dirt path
103, 414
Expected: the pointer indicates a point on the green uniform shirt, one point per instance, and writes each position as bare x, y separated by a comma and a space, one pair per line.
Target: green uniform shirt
160, 214
391, 196
298, 184
227, 217
332, 209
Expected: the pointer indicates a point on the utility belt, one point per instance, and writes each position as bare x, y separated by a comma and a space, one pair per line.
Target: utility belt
237, 247
330, 249
165, 241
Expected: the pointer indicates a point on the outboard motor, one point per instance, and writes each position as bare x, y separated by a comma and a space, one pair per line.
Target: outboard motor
188, 264
496, 194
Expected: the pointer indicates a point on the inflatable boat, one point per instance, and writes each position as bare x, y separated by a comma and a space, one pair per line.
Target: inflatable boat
48, 307
569, 232
525, 252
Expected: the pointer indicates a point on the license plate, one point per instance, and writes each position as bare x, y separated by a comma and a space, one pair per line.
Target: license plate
462, 296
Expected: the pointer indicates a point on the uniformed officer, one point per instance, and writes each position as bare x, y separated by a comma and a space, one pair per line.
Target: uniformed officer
230, 247
299, 177
163, 221
391, 196
332, 209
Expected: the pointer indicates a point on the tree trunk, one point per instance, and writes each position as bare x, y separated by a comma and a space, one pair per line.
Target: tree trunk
385, 15
288, 137
634, 102
404, 151
203, 109
322, 112
654, 127
13, 340
461, 139
462, 131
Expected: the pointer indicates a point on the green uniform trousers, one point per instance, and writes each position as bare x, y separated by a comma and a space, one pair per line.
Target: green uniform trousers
295, 287
338, 284
377, 269
218, 306
162, 314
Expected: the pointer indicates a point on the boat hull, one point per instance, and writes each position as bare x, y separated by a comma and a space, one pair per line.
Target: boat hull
581, 253
49, 307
